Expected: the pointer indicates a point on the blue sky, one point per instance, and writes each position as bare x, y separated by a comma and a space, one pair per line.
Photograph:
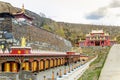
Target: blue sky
75, 11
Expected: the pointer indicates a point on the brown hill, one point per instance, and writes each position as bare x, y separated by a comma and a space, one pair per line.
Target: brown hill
7, 7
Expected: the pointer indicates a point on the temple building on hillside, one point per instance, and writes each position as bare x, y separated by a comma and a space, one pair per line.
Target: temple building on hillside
97, 38
22, 16
7, 19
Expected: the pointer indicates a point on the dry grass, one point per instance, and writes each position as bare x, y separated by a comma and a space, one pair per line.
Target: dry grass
94, 70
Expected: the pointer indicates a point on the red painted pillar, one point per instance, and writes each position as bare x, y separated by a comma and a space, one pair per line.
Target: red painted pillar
94, 43
105, 43
100, 43
108, 42
85, 43
90, 43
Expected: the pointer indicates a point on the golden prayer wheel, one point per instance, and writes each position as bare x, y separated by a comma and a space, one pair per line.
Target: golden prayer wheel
23, 66
58, 62
52, 63
7, 67
27, 67
34, 66
46, 64
63, 61
41, 65
14, 67
55, 63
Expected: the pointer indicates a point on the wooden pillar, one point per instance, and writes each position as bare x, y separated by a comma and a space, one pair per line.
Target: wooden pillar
54, 62
30, 65
0, 67
61, 61
39, 65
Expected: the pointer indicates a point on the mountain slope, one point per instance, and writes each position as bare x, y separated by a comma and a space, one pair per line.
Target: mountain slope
37, 37
7, 7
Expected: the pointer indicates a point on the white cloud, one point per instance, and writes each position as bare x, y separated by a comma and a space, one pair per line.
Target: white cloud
110, 14
112, 17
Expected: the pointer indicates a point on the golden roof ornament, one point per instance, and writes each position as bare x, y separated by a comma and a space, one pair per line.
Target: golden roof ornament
23, 42
23, 9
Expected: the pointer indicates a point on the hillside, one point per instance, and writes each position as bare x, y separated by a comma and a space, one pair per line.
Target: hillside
7, 7
41, 39
74, 32
37, 37
46, 31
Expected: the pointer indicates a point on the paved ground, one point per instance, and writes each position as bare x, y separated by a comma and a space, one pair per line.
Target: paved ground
111, 69
8, 76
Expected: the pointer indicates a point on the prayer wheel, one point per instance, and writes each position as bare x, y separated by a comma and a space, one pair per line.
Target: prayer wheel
7, 67
51, 63
34, 66
46, 64
41, 65
27, 66
14, 67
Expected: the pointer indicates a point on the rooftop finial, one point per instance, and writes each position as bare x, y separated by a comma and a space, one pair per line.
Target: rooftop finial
23, 42
23, 10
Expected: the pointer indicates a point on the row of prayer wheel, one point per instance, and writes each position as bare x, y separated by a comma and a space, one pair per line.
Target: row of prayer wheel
33, 66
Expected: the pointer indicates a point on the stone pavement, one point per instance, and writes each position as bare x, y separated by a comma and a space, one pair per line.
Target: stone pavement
8, 76
111, 69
